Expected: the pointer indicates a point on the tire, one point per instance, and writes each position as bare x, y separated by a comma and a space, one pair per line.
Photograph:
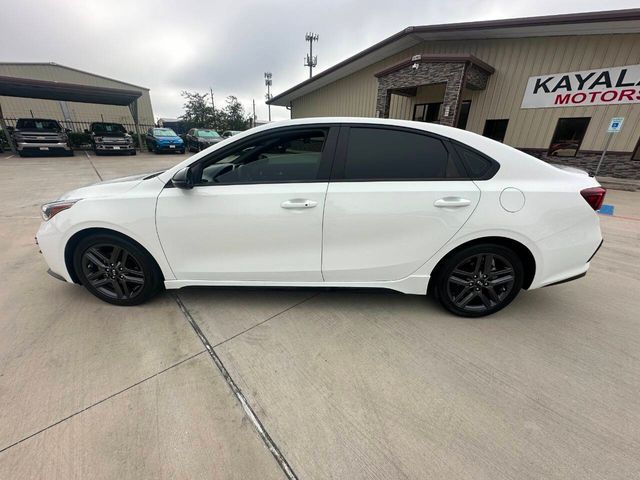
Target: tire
479, 280
133, 152
116, 270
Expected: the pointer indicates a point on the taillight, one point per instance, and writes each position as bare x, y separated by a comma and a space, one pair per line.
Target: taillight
594, 196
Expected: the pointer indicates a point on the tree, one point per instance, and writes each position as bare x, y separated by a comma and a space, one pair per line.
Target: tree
197, 111
232, 116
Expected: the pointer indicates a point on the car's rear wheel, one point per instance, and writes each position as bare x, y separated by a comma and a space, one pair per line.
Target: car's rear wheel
479, 280
116, 270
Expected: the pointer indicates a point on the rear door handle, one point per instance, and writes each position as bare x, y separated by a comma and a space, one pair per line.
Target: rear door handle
452, 202
298, 203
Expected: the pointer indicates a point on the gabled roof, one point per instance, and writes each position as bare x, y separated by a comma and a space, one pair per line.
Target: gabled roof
54, 64
590, 23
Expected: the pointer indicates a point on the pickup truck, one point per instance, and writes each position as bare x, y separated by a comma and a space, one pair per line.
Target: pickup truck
110, 138
40, 135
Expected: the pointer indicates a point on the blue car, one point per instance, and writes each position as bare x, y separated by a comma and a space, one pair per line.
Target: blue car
163, 140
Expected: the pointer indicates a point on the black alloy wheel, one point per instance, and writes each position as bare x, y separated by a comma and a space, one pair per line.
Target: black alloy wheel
113, 271
480, 280
116, 270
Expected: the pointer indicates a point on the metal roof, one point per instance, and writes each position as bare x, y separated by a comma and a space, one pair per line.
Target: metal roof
54, 64
29, 88
590, 23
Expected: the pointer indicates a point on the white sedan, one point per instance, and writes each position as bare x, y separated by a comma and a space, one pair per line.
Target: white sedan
339, 202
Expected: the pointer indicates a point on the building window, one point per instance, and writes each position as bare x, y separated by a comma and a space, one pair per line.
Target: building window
496, 129
465, 107
427, 112
636, 153
568, 136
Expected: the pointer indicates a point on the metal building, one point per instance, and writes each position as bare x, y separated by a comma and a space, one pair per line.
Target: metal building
547, 85
74, 115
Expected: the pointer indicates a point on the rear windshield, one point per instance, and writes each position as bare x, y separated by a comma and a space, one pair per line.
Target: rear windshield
108, 128
36, 124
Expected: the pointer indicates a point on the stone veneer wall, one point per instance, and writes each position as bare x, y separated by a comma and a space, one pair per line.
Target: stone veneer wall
615, 164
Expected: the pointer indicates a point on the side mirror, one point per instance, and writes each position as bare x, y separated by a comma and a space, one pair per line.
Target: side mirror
183, 179
67, 130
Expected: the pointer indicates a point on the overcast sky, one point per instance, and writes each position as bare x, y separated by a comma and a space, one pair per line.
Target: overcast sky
170, 46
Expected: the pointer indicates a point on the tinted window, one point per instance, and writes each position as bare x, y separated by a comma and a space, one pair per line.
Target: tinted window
568, 136
476, 164
381, 154
495, 129
293, 157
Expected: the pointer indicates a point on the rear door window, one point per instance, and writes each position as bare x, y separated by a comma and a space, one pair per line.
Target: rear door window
387, 154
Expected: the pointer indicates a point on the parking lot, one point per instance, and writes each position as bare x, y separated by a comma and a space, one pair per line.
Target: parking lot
346, 384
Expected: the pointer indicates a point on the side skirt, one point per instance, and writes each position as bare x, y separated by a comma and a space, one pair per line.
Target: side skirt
413, 285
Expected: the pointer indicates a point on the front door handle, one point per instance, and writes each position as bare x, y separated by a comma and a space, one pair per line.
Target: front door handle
298, 203
452, 202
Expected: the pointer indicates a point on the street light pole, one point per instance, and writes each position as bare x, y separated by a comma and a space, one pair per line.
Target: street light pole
268, 83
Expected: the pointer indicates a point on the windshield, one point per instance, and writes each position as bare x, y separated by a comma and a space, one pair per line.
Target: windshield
108, 128
37, 124
207, 133
164, 132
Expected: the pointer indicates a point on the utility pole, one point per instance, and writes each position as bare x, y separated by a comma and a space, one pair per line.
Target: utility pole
253, 119
213, 106
311, 61
267, 82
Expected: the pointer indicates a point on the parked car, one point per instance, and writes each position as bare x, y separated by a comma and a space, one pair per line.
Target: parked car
163, 140
41, 135
200, 138
409, 206
230, 133
110, 138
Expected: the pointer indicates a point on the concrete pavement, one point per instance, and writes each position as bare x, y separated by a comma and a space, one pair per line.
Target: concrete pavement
347, 384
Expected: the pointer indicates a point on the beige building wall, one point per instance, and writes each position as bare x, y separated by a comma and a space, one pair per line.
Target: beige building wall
14, 107
515, 60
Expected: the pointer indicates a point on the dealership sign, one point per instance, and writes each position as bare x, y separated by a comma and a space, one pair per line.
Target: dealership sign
605, 86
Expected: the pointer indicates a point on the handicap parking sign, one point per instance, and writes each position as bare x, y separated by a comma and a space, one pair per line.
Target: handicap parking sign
615, 125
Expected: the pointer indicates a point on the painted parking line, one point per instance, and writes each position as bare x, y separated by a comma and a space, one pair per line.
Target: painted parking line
10, 156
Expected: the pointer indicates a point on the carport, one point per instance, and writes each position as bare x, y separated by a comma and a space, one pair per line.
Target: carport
29, 88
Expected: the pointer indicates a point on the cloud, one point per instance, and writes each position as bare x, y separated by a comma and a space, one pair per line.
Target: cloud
170, 47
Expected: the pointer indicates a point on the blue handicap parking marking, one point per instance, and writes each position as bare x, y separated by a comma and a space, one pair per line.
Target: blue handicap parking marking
606, 210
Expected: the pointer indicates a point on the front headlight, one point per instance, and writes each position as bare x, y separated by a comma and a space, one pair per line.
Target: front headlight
98, 139
50, 210
128, 138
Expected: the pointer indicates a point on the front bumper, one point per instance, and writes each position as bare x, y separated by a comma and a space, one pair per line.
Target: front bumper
170, 147
42, 147
51, 243
116, 148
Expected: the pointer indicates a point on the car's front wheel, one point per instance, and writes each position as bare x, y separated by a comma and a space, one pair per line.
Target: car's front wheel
479, 280
116, 270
